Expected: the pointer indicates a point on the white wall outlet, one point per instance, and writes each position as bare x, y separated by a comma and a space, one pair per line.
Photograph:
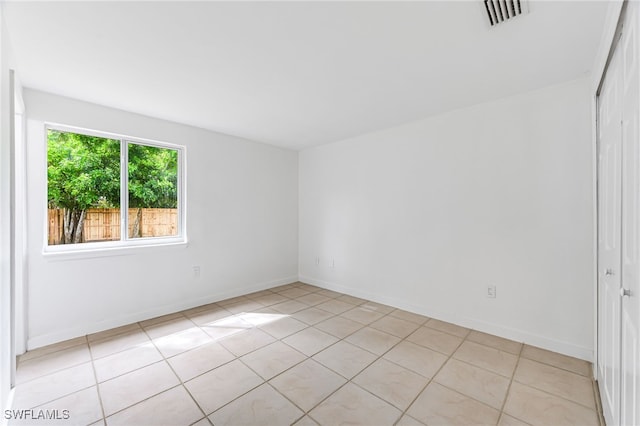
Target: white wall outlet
491, 291
196, 271
317, 261
333, 264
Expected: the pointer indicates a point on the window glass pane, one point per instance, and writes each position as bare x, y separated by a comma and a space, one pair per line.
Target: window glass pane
83, 188
153, 191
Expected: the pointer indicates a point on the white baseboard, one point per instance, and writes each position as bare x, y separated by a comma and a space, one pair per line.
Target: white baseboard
473, 323
84, 329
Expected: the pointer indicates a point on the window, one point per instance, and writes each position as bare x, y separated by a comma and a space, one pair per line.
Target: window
104, 190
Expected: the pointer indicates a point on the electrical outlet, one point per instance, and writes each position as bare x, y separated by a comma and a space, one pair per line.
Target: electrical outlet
491, 291
196, 271
333, 264
317, 261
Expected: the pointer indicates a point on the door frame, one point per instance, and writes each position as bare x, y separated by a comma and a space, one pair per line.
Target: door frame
608, 43
612, 35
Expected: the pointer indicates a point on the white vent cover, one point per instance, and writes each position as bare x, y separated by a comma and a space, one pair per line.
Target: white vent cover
500, 11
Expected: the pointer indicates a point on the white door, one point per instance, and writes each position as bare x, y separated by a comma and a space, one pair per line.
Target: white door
619, 229
630, 289
609, 216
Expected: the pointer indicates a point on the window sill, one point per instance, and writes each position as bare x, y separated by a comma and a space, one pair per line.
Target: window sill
55, 254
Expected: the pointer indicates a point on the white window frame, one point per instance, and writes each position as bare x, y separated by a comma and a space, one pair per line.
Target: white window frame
125, 242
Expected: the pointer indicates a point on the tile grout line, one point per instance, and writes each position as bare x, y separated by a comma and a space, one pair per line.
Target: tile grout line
142, 400
181, 383
139, 368
57, 371
350, 380
598, 402
381, 356
95, 377
306, 412
589, 376
265, 381
52, 372
513, 374
19, 359
431, 380
236, 358
521, 356
556, 396
114, 337
214, 340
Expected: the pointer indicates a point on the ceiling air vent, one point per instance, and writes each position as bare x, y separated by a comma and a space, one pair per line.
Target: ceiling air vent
500, 11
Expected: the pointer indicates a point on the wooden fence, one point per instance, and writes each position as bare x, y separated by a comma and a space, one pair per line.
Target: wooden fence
104, 224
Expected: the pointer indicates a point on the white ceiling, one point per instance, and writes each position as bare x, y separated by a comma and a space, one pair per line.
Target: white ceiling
297, 74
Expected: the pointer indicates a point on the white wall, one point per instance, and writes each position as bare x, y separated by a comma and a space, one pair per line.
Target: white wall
242, 217
425, 215
422, 216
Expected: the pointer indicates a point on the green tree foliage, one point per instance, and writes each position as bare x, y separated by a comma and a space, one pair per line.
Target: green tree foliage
153, 180
153, 177
84, 172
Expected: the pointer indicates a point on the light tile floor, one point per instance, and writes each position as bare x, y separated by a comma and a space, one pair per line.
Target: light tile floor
300, 354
